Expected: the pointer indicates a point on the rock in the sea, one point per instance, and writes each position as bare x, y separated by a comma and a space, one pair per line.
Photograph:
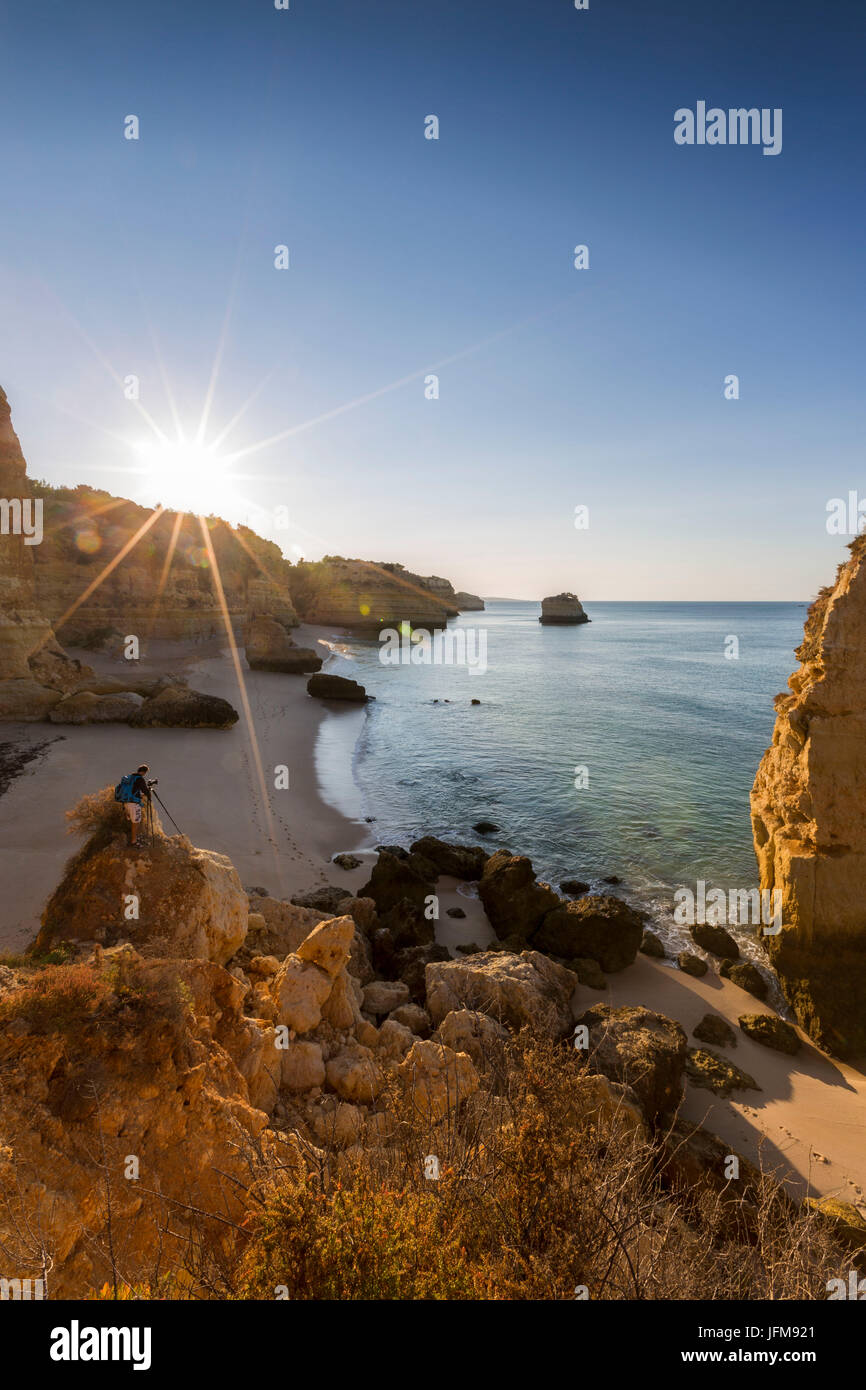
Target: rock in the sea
180, 707
514, 902
485, 827
562, 608
528, 989
573, 887
270, 648
692, 964
808, 822
714, 1073
652, 945
746, 975
715, 939
772, 1031
328, 687
641, 1049
465, 862
599, 926
715, 1029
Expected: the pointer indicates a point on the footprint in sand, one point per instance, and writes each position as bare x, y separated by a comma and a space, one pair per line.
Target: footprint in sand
819, 1158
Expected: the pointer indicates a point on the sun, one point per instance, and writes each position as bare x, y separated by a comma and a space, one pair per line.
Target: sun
187, 478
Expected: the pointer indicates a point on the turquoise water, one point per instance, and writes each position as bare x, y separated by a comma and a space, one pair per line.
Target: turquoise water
669, 730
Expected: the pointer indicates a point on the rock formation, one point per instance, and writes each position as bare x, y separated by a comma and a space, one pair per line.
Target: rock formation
809, 823
329, 687
562, 608
368, 597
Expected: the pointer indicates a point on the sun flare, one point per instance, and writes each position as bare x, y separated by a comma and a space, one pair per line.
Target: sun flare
187, 477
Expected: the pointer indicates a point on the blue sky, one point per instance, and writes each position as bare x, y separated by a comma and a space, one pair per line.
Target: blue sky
601, 387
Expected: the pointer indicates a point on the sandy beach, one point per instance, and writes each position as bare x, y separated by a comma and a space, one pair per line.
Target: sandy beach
807, 1121
208, 779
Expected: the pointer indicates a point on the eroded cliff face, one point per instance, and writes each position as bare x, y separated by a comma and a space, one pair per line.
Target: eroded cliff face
23, 629
367, 596
809, 818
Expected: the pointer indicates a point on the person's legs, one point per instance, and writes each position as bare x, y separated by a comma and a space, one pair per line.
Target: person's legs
133, 811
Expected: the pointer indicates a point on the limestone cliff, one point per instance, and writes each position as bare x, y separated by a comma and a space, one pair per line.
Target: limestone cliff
809, 818
23, 629
361, 594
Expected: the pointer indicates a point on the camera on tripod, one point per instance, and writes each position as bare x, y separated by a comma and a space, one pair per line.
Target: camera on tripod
154, 782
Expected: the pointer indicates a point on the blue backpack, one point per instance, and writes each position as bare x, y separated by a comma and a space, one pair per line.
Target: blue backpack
123, 791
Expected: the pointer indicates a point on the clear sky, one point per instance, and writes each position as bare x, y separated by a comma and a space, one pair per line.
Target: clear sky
601, 387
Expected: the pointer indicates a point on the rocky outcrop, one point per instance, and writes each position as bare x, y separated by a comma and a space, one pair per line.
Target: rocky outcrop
643, 1050
269, 647
465, 862
808, 819
366, 596
468, 603
771, 1031
325, 686
168, 899
599, 926
526, 990
562, 608
514, 901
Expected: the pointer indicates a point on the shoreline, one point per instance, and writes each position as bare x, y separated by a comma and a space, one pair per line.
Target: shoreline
807, 1118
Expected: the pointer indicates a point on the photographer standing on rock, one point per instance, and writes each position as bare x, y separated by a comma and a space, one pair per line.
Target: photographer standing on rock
129, 791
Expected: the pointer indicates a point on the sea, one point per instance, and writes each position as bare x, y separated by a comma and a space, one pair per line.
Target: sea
622, 748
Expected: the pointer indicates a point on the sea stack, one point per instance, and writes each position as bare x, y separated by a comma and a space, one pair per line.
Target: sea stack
808, 821
562, 608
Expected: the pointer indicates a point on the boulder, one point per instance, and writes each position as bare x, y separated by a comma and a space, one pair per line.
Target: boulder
476, 1034
599, 926
85, 708
276, 927
324, 899
347, 861
329, 945
25, 701
354, 1074
179, 707
528, 989
269, 647
715, 1029
691, 964
708, 1070
413, 1017
303, 1066
396, 878
465, 862
772, 1031
394, 1041
325, 686
382, 996
715, 940
437, 1079
652, 945
515, 903
588, 972
641, 1049
299, 989
746, 975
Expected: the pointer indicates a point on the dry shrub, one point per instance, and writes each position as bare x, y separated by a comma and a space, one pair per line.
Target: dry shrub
97, 814
541, 1194
57, 998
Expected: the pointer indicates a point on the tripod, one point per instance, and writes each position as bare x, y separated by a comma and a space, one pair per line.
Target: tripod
167, 812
